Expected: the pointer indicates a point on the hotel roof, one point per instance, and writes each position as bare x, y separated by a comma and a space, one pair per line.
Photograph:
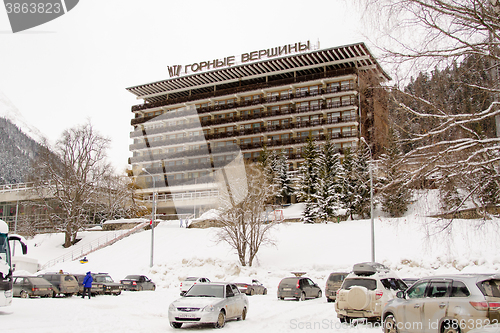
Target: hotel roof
312, 62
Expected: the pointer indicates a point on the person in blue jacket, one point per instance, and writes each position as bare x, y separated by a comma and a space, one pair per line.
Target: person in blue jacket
87, 284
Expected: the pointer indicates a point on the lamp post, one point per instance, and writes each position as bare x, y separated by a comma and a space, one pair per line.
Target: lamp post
153, 209
371, 200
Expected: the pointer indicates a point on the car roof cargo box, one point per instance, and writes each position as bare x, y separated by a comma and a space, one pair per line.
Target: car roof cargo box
368, 268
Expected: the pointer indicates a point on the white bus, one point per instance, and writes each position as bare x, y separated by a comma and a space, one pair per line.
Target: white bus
6, 263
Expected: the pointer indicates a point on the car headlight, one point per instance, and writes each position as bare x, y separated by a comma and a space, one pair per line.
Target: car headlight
171, 307
209, 308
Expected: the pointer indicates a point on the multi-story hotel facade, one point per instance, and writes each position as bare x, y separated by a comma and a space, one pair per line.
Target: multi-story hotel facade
209, 113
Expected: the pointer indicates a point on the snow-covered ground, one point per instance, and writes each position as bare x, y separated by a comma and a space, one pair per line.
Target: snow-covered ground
410, 245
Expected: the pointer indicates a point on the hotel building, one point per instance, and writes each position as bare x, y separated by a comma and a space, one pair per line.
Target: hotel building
207, 113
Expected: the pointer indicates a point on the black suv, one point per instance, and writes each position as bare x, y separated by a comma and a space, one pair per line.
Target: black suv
106, 285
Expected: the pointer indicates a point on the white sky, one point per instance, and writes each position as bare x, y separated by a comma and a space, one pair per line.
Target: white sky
77, 66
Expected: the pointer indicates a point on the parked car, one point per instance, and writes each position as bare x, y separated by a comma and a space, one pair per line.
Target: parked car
106, 285
95, 290
137, 283
212, 303
251, 287
298, 287
446, 304
63, 283
333, 283
365, 291
192, 280
31, 286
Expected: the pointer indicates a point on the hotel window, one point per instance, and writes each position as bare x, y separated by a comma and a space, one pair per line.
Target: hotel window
333, 102
333, 117
278, 122
347, 100
157, 138
247, 155
333, 87
334, 133
230, 129
205, 119
202, 106
346, 85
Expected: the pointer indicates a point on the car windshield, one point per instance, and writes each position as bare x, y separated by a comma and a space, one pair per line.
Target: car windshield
394, 284
289, 282
369, 284
206, 290
335, 277
191, 279
103, 279
39, 281
4, 249
491, 288
132, 277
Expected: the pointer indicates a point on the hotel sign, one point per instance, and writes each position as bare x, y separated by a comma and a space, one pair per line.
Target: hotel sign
179, 70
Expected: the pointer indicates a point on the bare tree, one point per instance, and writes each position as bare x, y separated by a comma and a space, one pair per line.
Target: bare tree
69, 179
244, 224
439, 34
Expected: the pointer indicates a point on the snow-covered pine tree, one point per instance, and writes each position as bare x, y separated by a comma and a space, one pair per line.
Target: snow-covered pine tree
328, 188
349, 194
307, 179
282, 179
395, 195
361, 171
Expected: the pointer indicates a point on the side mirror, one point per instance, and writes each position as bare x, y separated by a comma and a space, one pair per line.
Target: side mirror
400, 294
183, 293
20, 239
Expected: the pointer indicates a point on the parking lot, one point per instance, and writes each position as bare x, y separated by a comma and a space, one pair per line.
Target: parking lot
147, 312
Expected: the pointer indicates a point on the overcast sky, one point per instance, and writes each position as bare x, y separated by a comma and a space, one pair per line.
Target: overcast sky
78, 65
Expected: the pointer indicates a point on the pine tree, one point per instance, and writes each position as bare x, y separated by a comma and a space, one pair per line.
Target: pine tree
307, 172
395, 196
361, 171
328, 187
282, 179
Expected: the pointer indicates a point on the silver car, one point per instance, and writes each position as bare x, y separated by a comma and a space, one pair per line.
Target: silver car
445, 304
211, 303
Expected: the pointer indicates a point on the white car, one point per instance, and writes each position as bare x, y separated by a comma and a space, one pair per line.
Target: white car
190, 281
365, 291
212, 303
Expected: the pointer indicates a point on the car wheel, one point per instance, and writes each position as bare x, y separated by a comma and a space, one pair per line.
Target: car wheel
282, 298
450, 327
319, 294
264, 292
221, 320
68, 295
329, 300
154, 288
303, 296
176, 325
243, 314
390, 325
24, 294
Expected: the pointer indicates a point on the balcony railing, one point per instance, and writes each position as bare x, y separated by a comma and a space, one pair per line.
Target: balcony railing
235, 90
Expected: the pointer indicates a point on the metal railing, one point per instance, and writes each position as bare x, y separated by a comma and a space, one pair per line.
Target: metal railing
96, 244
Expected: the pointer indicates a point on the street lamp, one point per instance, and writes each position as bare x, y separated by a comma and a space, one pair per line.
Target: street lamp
371, 199
153, 209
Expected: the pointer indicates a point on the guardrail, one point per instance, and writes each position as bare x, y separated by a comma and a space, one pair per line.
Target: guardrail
96, 244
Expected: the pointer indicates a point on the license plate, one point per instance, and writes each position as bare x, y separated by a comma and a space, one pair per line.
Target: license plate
186, 315
287, 289
42, 289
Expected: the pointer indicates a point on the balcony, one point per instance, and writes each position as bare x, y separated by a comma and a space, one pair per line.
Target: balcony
258, 86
